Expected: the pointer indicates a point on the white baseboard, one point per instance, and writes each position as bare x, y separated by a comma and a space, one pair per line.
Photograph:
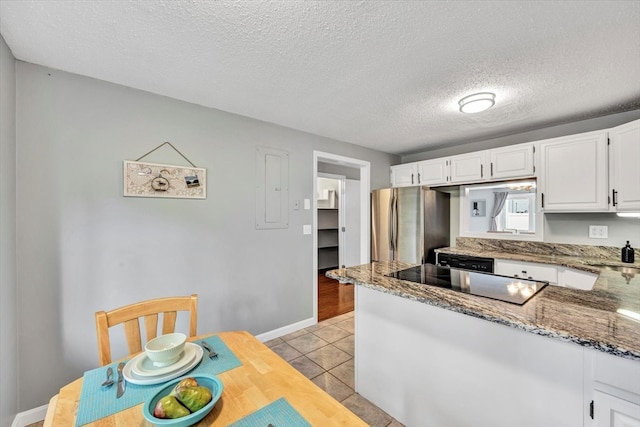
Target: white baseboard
31, 416
277, 333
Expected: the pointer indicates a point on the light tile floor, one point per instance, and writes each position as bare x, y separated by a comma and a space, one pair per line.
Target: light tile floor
324, 354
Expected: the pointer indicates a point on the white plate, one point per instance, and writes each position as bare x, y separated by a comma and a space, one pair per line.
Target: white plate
142, 366
132, 378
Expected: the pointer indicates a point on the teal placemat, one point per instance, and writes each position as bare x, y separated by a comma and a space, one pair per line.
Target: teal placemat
279, 414
98, 402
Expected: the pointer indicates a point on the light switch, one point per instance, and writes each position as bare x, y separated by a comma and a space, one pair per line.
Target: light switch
307, 204
306, 229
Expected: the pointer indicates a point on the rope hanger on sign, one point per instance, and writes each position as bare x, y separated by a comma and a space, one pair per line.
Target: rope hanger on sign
162, 145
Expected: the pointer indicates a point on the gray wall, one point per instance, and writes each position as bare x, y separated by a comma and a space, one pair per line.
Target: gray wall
82, 247
574, 228
8, 354
558, 228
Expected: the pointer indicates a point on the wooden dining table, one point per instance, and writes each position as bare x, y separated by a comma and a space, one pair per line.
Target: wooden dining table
262, 378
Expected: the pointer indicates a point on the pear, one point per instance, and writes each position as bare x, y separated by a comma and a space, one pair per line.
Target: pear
194, 398
187, 382
169, 407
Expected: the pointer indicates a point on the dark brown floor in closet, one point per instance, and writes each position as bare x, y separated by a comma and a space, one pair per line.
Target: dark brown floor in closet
334, 298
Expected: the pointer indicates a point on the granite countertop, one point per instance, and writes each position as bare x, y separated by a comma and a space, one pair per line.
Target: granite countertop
587, 318
588, 262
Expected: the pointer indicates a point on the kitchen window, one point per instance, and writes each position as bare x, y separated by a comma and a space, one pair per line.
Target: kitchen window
505, 210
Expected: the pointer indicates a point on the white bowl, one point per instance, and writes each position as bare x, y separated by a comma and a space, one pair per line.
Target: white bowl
165, 349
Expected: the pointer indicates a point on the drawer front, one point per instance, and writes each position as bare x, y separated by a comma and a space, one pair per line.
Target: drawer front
527, 270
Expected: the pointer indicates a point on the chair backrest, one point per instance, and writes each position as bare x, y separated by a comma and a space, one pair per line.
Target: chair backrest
148, 310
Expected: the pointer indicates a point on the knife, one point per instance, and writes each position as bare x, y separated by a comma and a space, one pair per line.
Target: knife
121, 382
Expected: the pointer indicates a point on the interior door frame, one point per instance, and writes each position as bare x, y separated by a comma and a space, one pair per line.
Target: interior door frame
365, 190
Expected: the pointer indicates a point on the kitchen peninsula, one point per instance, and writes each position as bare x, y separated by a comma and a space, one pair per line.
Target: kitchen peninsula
431, 356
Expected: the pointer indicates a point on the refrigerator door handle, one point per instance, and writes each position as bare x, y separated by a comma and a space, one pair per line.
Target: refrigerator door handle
395, 226
391, 221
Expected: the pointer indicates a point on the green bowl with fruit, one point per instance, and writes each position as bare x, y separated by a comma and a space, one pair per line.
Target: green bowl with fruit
183, 401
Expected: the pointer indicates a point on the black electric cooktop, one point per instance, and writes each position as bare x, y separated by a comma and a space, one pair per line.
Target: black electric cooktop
503, 288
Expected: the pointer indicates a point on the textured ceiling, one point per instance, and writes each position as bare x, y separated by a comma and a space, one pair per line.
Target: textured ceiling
381, 74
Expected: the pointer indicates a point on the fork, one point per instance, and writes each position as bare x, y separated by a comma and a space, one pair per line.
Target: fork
212, 354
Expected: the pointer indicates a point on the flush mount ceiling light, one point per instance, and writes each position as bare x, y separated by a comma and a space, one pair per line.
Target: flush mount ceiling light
477, 102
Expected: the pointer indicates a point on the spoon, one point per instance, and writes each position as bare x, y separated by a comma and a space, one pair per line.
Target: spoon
109, 381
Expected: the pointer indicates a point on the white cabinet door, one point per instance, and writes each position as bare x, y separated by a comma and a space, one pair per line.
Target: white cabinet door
512, 162
624, 167
527, 270
554, 274
573, 175
611, 411
404, 175
612, 390
433, 172
351, 253
467, 168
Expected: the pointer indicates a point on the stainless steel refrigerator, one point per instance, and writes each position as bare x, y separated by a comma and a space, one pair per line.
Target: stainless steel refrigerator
408, 223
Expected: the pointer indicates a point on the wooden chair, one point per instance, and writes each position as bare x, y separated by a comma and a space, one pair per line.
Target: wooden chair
148, 310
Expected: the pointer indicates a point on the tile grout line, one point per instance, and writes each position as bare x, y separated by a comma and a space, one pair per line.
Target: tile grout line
352, 400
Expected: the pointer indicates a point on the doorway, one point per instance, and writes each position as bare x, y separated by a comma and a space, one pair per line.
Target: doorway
355, 216
330, 200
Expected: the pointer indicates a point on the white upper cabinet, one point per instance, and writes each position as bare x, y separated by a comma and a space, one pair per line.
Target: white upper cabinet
589, 172
428, 172
624, 167
404, 175
515, 161
467, 168
573, 173
433, 172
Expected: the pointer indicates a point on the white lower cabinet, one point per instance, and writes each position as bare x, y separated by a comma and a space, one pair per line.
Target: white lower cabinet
576, 279
554, 274
612, 390
611, 411
526, 270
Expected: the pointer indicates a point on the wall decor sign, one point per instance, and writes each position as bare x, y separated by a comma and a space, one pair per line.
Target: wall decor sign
143, 179
478, 207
